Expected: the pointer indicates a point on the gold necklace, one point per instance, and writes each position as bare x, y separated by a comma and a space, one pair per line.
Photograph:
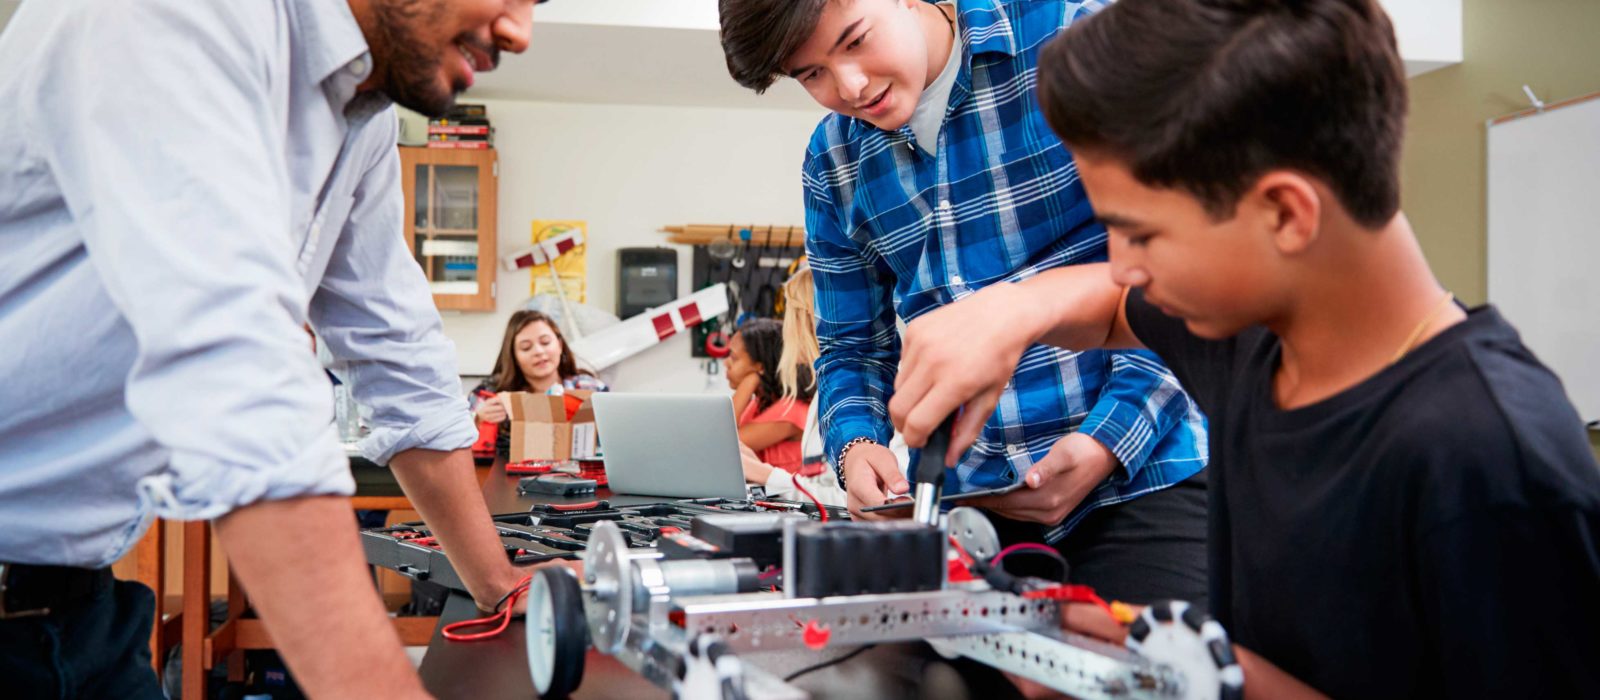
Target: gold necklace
1417, 332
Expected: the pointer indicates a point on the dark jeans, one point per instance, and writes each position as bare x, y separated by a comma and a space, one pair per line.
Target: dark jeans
99, 648
1140, 551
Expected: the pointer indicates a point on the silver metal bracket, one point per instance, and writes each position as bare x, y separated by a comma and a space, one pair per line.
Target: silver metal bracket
1079, 666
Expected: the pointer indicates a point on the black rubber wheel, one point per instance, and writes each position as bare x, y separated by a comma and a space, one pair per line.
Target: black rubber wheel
558, 633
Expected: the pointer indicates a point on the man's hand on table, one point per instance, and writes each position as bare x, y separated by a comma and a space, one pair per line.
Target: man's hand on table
443, 487
521, 572
503, 582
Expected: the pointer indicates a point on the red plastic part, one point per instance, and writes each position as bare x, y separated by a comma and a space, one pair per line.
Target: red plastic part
957, 572
717, 345
816, 635
531, 466
1071, 593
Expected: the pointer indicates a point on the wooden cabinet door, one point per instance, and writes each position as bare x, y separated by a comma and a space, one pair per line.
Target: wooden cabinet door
450, 221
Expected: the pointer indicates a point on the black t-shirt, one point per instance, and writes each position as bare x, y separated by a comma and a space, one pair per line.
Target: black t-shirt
1431, 531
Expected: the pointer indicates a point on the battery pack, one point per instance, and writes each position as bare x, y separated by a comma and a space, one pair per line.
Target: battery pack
558, 485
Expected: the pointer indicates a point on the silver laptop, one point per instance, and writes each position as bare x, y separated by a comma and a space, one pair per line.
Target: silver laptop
682, 445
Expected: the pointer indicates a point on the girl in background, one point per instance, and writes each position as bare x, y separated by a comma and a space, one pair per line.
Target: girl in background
771, 420
795, 379
534, 357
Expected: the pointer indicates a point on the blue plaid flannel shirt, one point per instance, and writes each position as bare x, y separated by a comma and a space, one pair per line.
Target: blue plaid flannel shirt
893, 229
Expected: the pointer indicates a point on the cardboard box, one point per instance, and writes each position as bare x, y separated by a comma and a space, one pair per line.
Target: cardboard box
540, 428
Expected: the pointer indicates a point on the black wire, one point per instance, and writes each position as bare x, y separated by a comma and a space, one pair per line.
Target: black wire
1061, 561
825, 664
507, 596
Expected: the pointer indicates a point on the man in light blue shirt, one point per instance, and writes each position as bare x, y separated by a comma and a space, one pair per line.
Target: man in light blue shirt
185, 184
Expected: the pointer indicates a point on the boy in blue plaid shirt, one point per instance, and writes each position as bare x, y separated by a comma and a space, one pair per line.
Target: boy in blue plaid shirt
936, 176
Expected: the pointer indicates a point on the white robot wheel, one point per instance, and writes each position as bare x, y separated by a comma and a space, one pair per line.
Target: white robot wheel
1187, 640
557, 632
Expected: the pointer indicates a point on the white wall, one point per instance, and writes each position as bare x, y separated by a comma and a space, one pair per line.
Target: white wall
629, 170
660, 14
1429, 33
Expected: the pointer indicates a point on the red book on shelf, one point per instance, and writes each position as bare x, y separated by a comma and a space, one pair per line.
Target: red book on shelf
459, 129
458, 144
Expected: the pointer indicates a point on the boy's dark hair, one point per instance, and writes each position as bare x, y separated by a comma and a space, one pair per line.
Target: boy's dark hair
759, 35
1208, 95
763, 341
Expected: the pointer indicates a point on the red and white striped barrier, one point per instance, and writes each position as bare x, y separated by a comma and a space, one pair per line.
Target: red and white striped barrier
542, 252
612, 344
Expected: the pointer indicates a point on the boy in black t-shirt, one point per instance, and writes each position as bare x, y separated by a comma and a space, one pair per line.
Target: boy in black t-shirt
1405, 503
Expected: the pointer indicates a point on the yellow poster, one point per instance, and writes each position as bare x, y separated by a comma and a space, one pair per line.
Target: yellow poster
572, 267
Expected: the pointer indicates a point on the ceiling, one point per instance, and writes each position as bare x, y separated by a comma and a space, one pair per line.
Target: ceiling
666, 52
657, 52
595, 63
631, 65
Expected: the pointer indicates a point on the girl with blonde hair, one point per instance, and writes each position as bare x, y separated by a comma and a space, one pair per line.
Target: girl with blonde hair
800, 350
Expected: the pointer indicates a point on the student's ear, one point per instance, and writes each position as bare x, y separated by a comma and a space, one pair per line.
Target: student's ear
1290, 207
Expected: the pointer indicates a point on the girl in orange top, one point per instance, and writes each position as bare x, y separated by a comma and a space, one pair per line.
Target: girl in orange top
770, 423
534, 357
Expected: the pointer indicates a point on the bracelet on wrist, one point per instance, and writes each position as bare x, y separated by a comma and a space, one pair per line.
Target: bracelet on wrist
845, 451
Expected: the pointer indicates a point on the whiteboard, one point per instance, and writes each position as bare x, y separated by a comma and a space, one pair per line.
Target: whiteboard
1544, 238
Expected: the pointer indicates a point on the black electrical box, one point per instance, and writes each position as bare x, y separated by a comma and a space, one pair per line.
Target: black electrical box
853, 558
646, 277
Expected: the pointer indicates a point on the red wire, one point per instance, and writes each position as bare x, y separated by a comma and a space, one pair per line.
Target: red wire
1072, 593
961, 552
1033, 546
822, 511
502, 617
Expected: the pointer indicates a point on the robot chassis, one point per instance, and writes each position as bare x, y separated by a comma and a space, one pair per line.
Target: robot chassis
680, 615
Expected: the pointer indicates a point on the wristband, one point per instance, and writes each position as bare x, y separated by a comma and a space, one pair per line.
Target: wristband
845, 451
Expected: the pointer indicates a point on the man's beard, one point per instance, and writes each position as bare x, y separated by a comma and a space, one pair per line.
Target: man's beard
408, 67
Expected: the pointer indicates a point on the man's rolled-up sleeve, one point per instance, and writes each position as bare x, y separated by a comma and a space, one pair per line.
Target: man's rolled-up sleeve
162, 138
375, 311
